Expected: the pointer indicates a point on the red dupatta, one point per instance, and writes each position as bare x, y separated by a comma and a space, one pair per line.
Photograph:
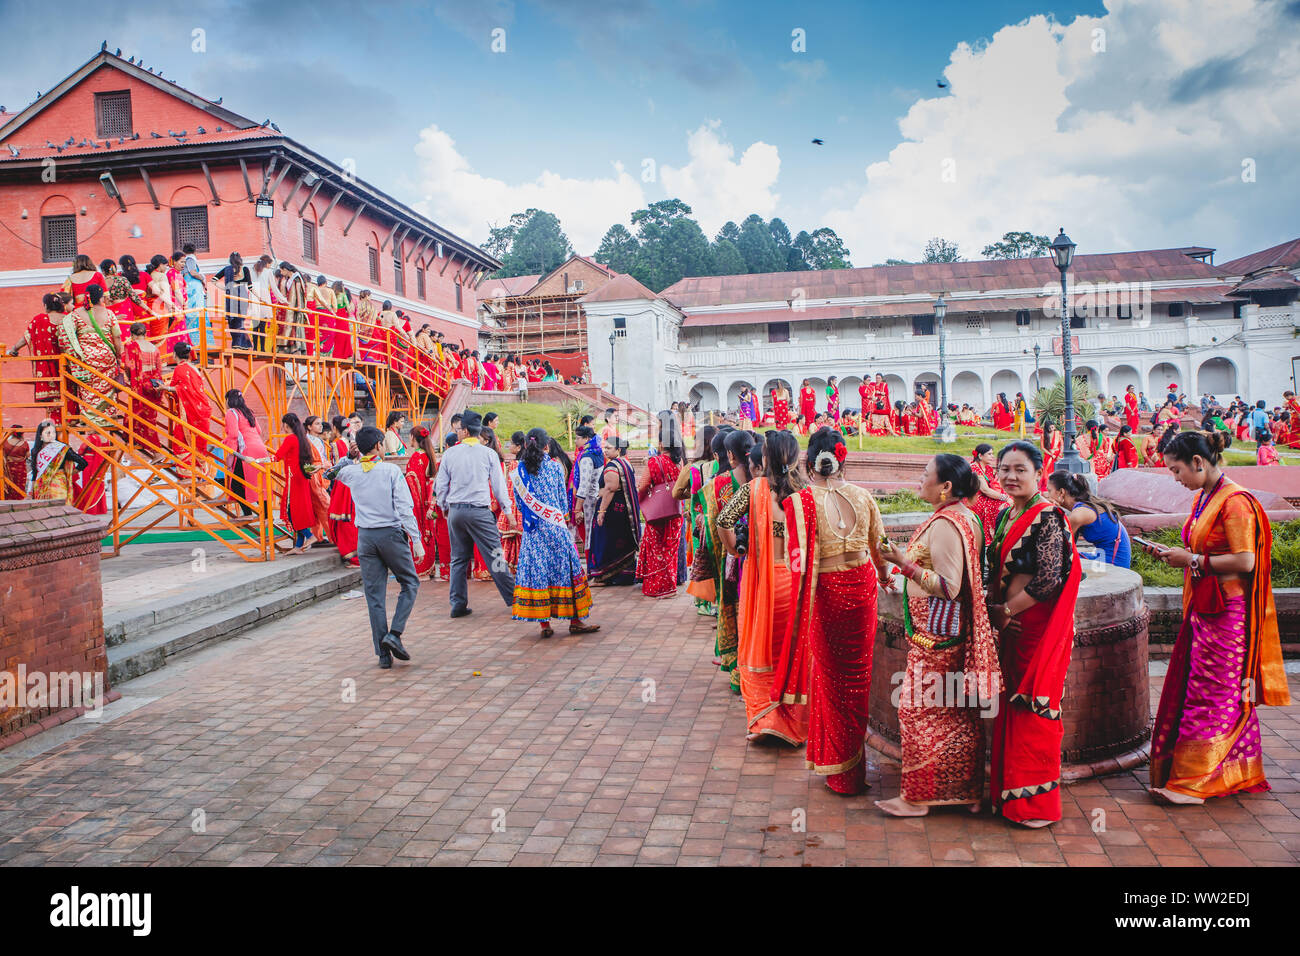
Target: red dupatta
790, 682
1043, 681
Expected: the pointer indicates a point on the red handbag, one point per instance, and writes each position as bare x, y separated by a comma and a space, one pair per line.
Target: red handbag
659, 503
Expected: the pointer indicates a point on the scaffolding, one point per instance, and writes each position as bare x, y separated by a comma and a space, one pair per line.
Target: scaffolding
536, 324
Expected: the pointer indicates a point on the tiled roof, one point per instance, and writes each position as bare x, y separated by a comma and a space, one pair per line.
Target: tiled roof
1279, 281
510, 285
28, 151
932, 278
1285, 254
622, 286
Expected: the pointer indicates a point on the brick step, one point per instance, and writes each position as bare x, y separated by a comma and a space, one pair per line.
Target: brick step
148, 652
142, 620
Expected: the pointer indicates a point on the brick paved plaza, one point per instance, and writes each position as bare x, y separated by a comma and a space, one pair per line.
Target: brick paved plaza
550, 755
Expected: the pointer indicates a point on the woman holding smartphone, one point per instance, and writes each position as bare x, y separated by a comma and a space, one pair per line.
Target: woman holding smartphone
1228, 658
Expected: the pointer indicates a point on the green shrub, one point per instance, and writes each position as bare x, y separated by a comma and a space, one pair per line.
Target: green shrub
1286, 557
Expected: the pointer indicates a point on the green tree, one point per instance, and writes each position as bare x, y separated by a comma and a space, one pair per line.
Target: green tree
757, 247
781, 236
729, 231
941, 250
502, 238
727, 260
822, 249
1017, 245
538, 246
618, 248
670, 245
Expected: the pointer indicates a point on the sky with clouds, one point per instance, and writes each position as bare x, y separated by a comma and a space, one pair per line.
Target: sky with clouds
1132, 123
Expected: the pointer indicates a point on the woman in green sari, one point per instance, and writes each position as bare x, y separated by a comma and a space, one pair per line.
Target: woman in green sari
727, 568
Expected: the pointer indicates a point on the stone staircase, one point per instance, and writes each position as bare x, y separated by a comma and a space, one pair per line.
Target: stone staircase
143, 635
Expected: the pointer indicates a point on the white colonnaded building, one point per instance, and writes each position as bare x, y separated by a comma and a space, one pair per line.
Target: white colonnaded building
1148, 319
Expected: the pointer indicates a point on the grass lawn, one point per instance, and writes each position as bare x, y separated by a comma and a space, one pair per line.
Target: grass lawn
523, 416
1286, 557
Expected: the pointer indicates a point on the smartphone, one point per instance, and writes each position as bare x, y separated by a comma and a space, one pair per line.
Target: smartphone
1149, 544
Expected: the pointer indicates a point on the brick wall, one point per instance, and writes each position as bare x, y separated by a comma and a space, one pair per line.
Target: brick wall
51, 612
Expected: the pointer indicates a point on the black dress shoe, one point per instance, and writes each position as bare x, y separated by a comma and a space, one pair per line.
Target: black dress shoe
393, 644
385, 662
461, 612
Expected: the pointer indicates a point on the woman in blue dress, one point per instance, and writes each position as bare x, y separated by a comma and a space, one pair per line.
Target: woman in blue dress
550, 581
1093, 519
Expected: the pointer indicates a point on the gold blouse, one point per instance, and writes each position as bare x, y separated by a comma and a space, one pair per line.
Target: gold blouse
941, 554
737, 507
863, 535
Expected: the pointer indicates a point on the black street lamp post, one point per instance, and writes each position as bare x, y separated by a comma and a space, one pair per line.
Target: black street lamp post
945, 432
612, 337
1070, 462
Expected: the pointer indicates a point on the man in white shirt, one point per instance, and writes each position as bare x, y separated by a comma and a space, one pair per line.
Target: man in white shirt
386, 534
469, 476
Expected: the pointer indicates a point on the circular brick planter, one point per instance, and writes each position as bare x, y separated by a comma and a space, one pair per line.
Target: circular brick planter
1106, 704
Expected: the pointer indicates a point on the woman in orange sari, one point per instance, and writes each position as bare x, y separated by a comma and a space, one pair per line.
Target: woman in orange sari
1228, 658
320, 453
948, 633
764, 616
833, 535
1034, 575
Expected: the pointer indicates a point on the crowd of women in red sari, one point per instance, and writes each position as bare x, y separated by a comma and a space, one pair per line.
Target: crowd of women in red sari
789, 558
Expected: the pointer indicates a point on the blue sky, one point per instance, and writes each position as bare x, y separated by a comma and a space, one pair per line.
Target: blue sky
1140, 144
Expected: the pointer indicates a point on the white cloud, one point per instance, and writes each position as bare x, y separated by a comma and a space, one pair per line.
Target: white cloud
466, 202
1137, 146
718, 187
713, 182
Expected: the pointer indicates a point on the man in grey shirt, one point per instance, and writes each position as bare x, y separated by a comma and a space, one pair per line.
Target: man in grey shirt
469, 476
386, 533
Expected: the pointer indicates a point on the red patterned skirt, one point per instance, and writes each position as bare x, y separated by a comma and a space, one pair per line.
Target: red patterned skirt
943, 744
840, 643
657, 557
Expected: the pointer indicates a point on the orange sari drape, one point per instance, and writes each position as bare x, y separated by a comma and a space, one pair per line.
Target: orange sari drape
764, 618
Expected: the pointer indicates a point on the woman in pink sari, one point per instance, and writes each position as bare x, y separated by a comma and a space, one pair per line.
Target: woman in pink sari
1228, 657
491, 374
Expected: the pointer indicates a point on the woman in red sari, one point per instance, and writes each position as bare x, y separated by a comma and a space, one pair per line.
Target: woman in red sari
296, 508
833, 400
807, 402
344, 329
1228, 658
191, 393
1034, 575
833, 535
342, 514
84, 275
144, 370
320, 496
764, 617
781, 406
41, 340
1003, 418
1131, 409
1101, 449
1126, 453
948, 633
661, 539
421, 470
988, 500
16, 450
925, 417
1053, 447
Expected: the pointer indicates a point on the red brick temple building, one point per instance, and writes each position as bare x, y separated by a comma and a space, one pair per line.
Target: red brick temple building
115, 159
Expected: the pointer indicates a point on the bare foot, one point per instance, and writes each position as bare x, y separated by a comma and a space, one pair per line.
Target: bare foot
1035, 824
898, 807
1176, 798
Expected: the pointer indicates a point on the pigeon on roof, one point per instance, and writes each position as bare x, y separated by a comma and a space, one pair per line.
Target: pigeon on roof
13, 149
201, 130
155, 135
218, 100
